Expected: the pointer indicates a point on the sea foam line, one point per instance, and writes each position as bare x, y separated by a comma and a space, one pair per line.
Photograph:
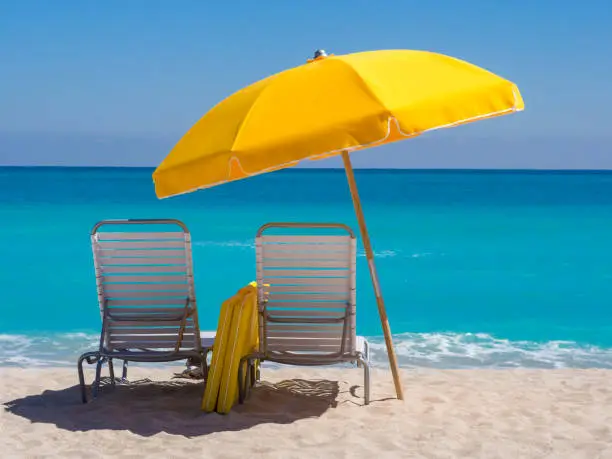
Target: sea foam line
481, 350
414, 350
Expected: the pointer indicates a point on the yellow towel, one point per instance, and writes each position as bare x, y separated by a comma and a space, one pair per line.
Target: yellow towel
237, 336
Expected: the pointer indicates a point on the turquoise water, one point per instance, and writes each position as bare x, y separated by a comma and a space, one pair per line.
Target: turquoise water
495, 269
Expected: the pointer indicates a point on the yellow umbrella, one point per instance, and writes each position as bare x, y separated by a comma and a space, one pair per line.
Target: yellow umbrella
333, 105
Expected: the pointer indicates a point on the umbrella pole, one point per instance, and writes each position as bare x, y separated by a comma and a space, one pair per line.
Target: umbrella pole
350, 175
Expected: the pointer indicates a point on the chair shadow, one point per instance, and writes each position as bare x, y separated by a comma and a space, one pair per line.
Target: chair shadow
147, 408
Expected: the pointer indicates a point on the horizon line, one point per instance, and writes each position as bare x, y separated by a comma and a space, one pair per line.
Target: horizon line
338, 169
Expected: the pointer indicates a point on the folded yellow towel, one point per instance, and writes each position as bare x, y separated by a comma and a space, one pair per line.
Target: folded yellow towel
237, 336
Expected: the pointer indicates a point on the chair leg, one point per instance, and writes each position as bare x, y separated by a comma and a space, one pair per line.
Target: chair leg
111, 371
205, 365
240, 387
365, 353
96, 385
90, 358
82, 378
243, 380
366, 379
248, 379
252, 374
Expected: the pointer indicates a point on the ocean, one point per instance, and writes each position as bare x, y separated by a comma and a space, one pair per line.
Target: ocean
479, 269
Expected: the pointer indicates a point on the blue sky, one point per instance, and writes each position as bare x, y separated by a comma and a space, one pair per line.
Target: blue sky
118, 82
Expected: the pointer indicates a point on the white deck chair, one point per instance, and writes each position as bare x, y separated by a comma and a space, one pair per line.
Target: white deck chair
146, 297
306, 297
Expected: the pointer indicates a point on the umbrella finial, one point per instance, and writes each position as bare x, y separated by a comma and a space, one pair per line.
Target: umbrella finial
318, 55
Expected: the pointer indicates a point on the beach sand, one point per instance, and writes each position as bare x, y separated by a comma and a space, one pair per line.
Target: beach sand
298, 412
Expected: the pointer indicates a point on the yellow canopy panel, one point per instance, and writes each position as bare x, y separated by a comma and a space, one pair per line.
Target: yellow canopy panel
329, 105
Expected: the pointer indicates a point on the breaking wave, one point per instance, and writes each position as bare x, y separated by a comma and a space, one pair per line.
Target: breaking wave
480, 350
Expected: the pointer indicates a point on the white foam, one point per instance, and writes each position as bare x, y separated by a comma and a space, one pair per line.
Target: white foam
378, 253
57, 349
236, 244
421, 255
4, 338
394, 253
428, 350
480, 350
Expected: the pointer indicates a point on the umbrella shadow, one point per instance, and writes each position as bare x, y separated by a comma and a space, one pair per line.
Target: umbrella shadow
147, 408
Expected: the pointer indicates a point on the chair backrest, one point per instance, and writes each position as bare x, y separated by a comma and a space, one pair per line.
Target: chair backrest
144, 275
306, 290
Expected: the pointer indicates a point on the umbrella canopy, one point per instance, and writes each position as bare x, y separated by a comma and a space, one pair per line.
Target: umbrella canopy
334, 105
329, 105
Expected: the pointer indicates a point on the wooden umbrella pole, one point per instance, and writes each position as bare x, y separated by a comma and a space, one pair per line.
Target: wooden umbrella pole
350, 175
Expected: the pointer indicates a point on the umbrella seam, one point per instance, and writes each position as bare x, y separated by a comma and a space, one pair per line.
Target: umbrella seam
246, 118
365, 87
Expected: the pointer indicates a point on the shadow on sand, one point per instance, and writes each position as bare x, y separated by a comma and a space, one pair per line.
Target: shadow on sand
147, 408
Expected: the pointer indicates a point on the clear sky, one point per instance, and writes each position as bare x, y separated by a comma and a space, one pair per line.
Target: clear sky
117, 82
